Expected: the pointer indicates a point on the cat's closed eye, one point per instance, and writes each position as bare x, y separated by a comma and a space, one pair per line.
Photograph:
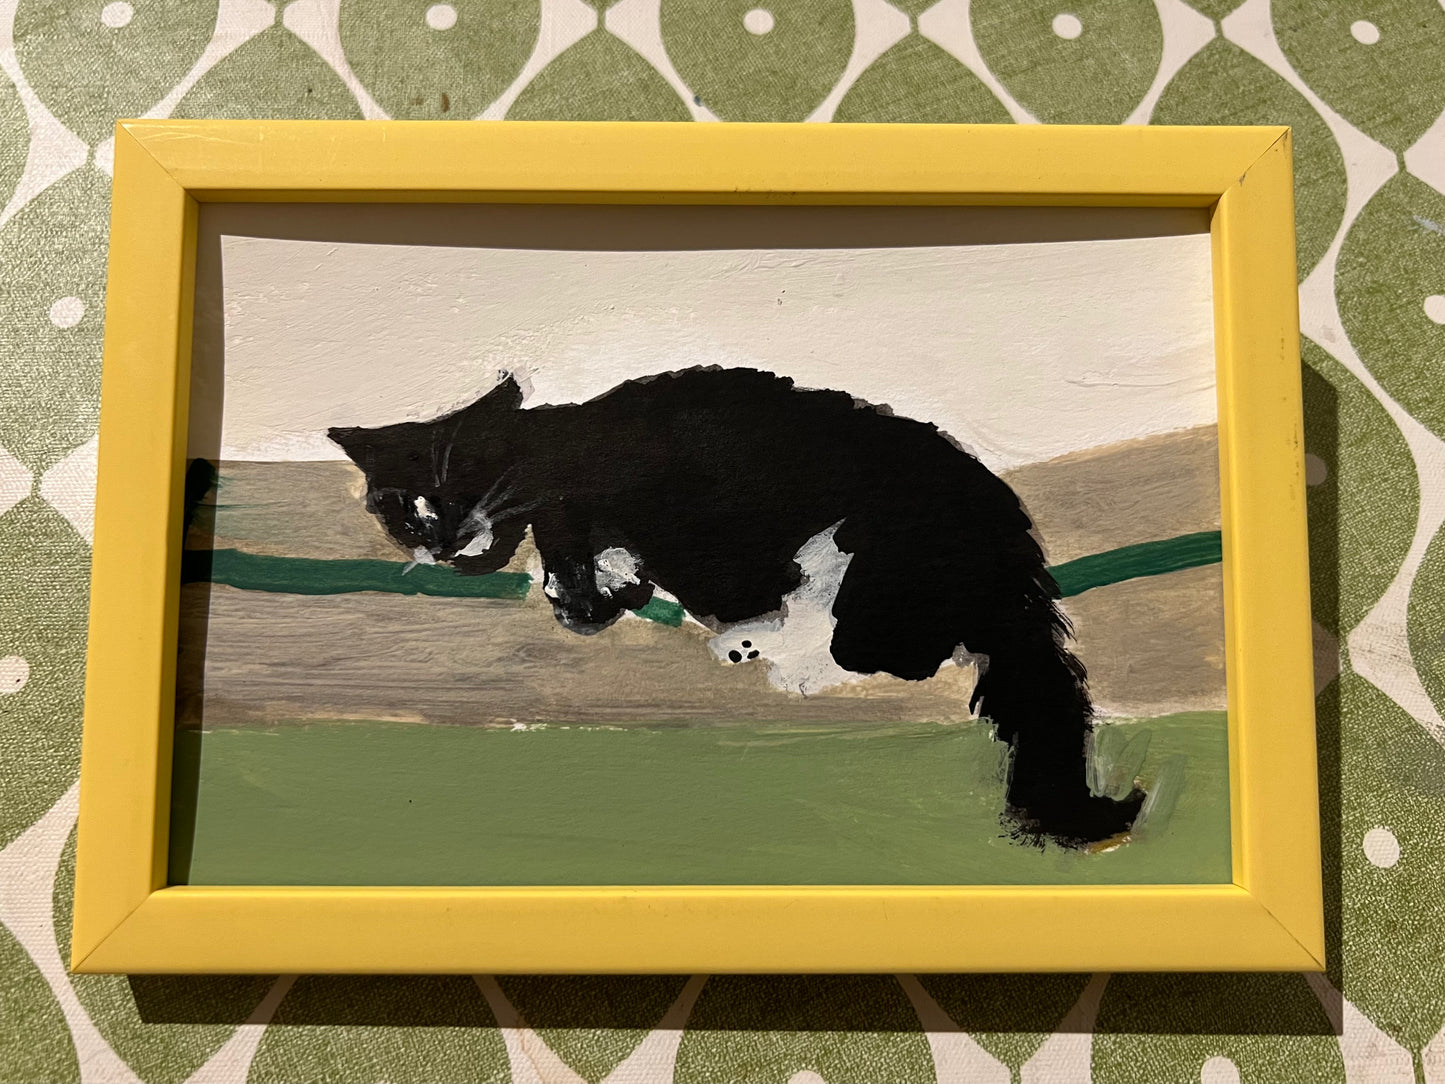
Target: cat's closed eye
411, 518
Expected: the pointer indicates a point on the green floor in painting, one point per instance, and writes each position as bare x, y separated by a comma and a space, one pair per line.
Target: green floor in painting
346, 802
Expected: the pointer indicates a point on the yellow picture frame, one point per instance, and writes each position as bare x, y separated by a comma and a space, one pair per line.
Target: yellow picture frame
127, 919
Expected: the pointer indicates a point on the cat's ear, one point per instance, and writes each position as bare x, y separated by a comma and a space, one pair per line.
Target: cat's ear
507, 395
354, 441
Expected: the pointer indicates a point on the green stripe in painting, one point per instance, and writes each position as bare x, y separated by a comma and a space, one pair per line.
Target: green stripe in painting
662, 611
310, 576
1144, 559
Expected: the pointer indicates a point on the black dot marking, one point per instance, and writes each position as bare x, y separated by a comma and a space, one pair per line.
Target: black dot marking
747, 643
736, 656
752, 654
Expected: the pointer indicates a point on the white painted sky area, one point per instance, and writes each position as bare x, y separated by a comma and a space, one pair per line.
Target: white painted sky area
1020, 351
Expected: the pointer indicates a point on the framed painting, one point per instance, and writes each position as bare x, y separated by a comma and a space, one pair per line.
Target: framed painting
552, 547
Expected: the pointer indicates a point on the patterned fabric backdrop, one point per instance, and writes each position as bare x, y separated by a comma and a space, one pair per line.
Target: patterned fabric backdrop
1363, 84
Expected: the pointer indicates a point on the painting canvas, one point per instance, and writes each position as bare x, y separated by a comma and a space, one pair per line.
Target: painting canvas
701, 545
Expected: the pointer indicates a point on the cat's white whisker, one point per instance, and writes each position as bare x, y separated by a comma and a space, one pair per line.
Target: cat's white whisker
479, 544
491, 493
515, 510
447, 453
476, 518
476, 528
497, 504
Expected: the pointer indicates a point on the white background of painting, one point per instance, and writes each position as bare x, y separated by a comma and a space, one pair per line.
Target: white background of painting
1020, 351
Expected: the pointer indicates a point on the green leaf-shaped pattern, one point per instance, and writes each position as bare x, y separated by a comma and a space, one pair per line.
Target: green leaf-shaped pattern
1427, 621
35, 1045
162, 1026
90, 68
1380, 65
44, 569
760, 1030
52, 299
1215, 9
1364, 494
1384, 835
382, 1030
1392, 261
1010, 1016
783, 73
1163, 1029
1222, 84
275, 74
14, 138
448, 71
592, 1022
1096, 76
917, 82
601, 77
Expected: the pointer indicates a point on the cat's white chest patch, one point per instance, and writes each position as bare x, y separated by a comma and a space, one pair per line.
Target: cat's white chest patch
795, 645
616, 568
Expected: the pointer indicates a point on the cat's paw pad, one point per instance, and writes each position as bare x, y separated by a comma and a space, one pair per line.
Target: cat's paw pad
737, 646
744, 652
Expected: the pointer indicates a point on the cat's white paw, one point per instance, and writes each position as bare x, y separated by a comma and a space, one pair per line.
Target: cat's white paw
797, 645
745, 643
615, 569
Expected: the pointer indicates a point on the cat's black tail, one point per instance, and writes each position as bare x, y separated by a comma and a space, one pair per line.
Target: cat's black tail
1034, 691
907, 603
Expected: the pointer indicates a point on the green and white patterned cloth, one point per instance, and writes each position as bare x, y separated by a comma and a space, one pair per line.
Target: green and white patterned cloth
1363, 84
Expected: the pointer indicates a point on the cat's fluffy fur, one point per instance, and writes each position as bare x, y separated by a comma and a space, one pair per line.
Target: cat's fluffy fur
711, 480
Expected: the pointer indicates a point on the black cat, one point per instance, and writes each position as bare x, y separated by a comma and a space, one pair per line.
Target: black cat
712, 484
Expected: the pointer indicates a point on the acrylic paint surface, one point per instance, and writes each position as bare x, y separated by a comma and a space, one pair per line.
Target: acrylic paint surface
1153, 643
833, 538
354, 802
741, 472
328, 317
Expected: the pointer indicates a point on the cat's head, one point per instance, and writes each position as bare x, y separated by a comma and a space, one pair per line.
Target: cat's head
446, 489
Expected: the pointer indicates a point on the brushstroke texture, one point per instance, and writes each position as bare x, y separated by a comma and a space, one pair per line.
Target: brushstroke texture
1152, 645
714, 482
1144, 559
1081, 503
347, 802
312, 576
307, 576
251, 657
